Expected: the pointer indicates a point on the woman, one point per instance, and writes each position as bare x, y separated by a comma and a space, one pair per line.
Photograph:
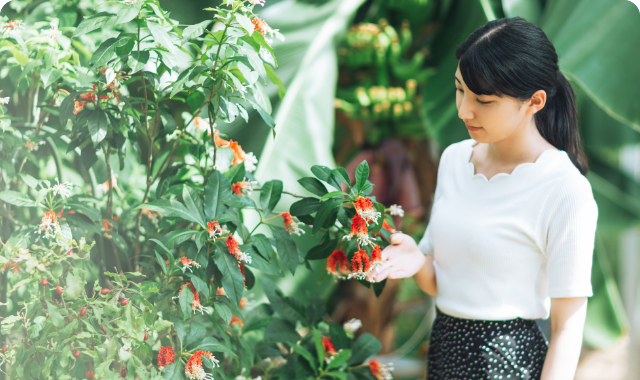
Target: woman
512, 228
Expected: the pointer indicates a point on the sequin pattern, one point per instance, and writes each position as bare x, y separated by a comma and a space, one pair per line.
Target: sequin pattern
463, 349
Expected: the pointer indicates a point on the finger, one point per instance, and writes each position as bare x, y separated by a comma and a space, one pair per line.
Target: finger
388, 253
396, 239
398, 273
383, 273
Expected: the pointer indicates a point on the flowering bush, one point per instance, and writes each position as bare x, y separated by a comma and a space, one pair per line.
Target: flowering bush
180, 310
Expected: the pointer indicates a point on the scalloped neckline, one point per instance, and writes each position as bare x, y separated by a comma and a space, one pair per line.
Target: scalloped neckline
524, 164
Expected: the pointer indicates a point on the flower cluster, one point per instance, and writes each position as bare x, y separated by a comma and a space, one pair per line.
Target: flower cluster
215, 230
290, 225
152, 215
64, 189
340, 258
351, 326
242, 188
239, 155
49, 224
5, 101
387, 227
364, 208
166, 357
396, 210
234, 249
359, 230
261, 26
30, 145
87, 97
52, 33
194, 369
188, 263
12, 27
196, 305
23, 255
381, 371
329, 348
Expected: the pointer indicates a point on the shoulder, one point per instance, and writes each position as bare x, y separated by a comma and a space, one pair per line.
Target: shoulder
458, 149
569, 189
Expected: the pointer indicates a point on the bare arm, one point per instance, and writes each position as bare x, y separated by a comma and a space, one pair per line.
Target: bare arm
426, 278
567, 324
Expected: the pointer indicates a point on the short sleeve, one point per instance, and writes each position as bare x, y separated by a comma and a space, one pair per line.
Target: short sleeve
426, 243
570, 239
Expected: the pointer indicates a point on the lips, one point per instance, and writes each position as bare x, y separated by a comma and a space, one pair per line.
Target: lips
472, 128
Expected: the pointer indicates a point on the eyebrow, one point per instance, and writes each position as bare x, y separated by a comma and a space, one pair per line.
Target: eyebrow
458, 80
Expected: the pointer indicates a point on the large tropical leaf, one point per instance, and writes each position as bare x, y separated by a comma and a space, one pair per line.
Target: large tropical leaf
593, 40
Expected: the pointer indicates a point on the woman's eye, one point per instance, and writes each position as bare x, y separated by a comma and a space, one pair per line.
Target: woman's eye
459, 89
483, 102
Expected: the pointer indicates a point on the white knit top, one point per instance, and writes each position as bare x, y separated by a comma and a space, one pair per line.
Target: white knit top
502, 247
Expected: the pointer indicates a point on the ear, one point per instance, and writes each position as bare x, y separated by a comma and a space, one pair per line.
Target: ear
537, 102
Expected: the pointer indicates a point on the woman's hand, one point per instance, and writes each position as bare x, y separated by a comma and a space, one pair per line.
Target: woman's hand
401, 259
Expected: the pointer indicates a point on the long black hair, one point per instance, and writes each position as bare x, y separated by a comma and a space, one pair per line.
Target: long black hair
513, 57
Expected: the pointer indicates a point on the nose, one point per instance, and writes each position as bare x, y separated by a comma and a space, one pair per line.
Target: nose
464, 111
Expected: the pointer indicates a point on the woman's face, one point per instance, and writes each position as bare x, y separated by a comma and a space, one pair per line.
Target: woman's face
490, 118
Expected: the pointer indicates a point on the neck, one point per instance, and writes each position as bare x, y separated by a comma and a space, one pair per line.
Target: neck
524, 145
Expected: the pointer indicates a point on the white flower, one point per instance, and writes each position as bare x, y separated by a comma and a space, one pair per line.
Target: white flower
5, 100
12, 27
174, 135
154, 19
250, 162
64, 189
257, 2
352, 325
202, 125
244, 257
396, 210
52, 33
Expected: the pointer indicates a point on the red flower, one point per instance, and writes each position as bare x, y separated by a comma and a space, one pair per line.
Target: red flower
364, 208
359, 230
215, 229
234, 249
387, 227
359, 271
196, 305
380, 371
260, 26
238, 153
188, 263
340, 258
329, 349
236, 320
376, 255
243, 303
194, 369
165, 357
290, 225
107, 226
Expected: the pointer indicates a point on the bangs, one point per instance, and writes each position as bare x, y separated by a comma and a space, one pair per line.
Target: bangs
482, 77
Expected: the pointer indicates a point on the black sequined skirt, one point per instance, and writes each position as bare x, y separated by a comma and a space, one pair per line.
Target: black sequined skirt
462, 349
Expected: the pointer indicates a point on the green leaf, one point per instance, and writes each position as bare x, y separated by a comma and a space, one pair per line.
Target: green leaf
245, 23
170, 208
105, 52
177, 237
74, 287
102, 368
288, 307
98, 124
127, 12
137, 60
173, 371
263, 245
317, 339
161, 36
342, 175
186, 301
216, 190
286, 248
224, 312
196, 212
16, 198
305, 206
325, 213
232, 281
196, 30
313, 185
332, 194
364, 347
339, 359
325, 174
264, 114
29, 180
49, 76
280, 330
210, 344
267, 267
200, 285
257, 37
66, 107
362, 174
239, 201
94, 22
323, 250
178, 85
270, 195
307, 355
585, 32
271, 74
